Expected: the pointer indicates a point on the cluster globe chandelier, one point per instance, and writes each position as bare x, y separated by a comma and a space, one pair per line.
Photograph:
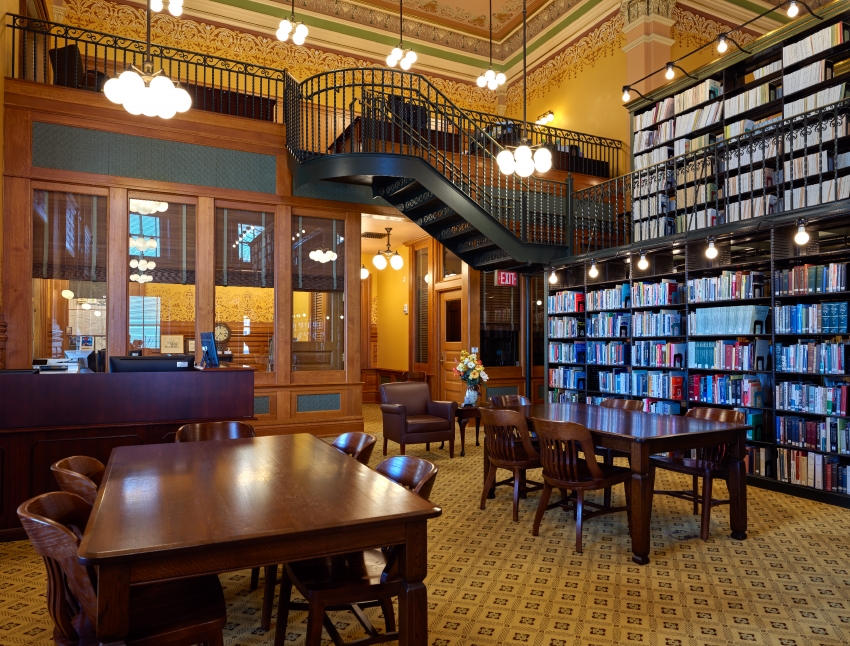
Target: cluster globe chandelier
491, 79
141, 244
400, 56
289, 25
522, 160
381, 257
323, 256
144, 91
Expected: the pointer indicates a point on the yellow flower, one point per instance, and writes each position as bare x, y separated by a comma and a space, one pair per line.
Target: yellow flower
474, 374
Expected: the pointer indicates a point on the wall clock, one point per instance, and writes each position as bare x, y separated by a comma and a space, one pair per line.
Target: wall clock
221, 333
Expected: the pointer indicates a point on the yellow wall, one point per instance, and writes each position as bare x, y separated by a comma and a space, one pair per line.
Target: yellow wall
391, 289
300, 315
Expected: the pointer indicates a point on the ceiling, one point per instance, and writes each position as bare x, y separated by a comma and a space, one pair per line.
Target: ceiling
403, 230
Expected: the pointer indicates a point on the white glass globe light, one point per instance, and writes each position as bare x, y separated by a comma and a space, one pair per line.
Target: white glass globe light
156, 5
134, 264
490, 75
364, 273
139, 243
285, 26
524, 167
379, 261
312, 255
501, 78
114, 90
175, 9
411, 56
492, 85
150, 103
67, 293
396, 262
397, 53
299, 39
97, 313
506, 162
151, 265
86, 306
391, 61
480, 82
150, 243
134, 278
302, 29
143, 264
161, 85
182, 100
404, 64
542, 160
523, 152
282, 35
162, 207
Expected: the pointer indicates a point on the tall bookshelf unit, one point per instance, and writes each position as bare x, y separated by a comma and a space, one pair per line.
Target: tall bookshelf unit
770, 271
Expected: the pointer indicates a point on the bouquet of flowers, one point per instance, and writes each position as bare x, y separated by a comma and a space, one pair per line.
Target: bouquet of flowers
470, 369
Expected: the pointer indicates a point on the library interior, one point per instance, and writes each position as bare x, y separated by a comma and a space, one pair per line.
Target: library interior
521, 321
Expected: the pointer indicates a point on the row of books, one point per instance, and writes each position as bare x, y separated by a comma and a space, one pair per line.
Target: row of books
655, 324
645, 139
764, 93
572, 378
734, 319
807, 165
759, 151
748, 181
812, 135
761, 72
694, 194
660, 112
806, 76
811, 318
653, 228
831, 435
730, 390
565, 397
697, 219
729, 355
827, 191
643, 383
824, 472
566, 328
568, 352
566, 302
758, 461
819, 41
754, 207
658, 354
820, 99
654, 156
812, 357
798, 397
738, 128
667, 292
699, 93
700, 118
613, 353
617, 297
728, 286
810, 279
609, 324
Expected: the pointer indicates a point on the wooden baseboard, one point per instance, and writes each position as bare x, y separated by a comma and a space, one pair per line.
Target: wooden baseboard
13, 534
319, 429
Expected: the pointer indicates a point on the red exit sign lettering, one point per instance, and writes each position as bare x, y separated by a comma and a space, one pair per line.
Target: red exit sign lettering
505, 278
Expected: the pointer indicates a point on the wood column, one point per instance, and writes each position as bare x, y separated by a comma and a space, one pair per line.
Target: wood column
204, 271
17, 271
117, 273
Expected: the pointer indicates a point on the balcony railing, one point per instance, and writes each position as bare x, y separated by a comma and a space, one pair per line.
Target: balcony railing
796, 163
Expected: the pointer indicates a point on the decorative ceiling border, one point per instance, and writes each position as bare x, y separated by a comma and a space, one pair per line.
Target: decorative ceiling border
695, 30
301, 62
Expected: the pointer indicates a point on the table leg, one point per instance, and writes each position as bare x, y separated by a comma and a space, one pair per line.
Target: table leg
113, 603
413, 597
641, 501
738, 489
462, 423
477, 427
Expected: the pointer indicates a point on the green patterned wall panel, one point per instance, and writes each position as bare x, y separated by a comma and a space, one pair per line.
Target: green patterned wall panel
319, 402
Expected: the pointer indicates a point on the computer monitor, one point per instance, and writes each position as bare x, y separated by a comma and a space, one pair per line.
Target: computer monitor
208, 350
159, 363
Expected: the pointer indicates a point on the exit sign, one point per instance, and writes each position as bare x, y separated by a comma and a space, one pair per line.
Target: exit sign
505, 278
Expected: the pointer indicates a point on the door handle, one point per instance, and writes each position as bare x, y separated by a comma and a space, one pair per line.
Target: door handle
442, 357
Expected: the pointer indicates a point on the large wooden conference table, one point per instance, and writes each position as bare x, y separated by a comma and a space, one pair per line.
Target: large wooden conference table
171, 511
643, 434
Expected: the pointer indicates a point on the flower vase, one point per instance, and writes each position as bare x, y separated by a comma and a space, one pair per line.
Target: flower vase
471, 398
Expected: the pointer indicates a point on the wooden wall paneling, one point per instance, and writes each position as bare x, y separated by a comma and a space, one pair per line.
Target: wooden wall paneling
352, 301
204, 270
17, 271
61, 187
283, 291
366, 322
284, 176
117, 273
472, 285
17, 142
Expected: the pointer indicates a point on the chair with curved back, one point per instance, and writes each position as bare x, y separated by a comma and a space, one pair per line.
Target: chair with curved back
357, 580
177, 613
508, 445
79, 474
504, 401
623, 404
358, 445
560, 443
710, 463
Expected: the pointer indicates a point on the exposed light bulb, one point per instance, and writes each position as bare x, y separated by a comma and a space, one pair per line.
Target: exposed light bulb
626, 95
793, 9
643, 263
553, 278
721, 44
802, 236
670, 73
711, 251
364, 273
593, 272
550, 117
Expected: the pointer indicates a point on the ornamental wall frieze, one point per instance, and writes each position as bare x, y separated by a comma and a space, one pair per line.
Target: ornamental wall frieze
301, 62
633, 10
694, 30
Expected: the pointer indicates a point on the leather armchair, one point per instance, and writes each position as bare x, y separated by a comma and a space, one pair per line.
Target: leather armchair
411, 417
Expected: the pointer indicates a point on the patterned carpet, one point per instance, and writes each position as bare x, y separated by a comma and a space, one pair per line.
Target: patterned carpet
491, 582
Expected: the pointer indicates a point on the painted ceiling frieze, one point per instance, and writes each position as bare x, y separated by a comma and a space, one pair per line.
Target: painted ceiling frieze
694, 30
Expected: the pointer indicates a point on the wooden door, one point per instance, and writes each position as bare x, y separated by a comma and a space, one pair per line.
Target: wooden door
449, 345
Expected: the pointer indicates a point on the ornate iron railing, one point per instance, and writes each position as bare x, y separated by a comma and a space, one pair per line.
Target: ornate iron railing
390, 111
795, 163
48, 52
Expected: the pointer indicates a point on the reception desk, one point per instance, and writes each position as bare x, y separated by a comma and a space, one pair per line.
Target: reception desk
44, 418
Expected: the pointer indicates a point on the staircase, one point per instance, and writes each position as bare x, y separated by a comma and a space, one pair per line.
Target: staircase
395, 132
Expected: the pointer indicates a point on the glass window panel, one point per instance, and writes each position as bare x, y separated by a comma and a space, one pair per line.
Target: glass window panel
451, 264
162, 277
318, 294
69, 276
421, 287
500, 320
244, 292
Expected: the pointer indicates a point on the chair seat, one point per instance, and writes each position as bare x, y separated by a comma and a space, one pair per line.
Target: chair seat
611, 475
522, 460
353, 570
689, 466
427, 424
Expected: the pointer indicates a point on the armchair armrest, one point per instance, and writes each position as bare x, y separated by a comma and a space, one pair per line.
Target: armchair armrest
394, 409
394, 421
446, 410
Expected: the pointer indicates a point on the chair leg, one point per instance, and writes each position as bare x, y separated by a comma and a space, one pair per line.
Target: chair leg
315, 617
706, 506
389, 615
427, 446
255, 578
627, 488
401, 450
283, 608
696, 495
517, 487
579, 514
268, 597
385, 446
541, 507
452, 448
488, 484
215, 639
609, 460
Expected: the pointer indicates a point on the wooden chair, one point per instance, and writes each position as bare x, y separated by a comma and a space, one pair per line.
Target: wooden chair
608, 455
186, 611
509, 446
79, 474
710, 464
358, 445
624, 404
214, 431
353, 581
560, 443
504, 401
414, 375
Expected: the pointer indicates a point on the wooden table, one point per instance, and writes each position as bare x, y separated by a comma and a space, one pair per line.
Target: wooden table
169, 511
643, 434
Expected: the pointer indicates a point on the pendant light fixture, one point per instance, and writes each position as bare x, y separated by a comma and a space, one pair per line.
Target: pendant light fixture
400, 56
802, 236
145, 91
364, 273
711, 250
491, 79
288, 24
381, 257
522, 160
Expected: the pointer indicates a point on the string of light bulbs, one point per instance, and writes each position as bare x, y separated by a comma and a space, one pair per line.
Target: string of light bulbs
491, 79
722, 42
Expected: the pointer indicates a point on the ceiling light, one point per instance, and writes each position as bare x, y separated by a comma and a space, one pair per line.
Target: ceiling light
546, 117
721, 43
793, 9
67, 293
593, 272
670, 73
364, 273
400, 56
553, 278
489, 78
322, 256
146, 207
86, 306
382, 257
643, 263
802, 236
289, 25
97, 312
711, 250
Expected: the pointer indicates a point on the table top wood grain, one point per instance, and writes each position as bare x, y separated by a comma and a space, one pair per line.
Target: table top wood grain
171, 497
